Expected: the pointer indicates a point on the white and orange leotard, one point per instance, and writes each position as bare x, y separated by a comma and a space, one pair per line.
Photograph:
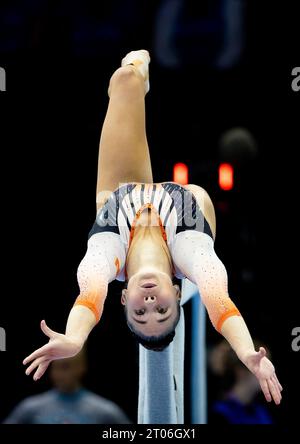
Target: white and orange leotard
185, 231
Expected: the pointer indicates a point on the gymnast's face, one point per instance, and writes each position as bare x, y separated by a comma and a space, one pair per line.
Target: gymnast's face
151, 302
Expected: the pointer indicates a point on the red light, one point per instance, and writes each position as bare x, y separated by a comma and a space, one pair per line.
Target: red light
181, 173
226, 176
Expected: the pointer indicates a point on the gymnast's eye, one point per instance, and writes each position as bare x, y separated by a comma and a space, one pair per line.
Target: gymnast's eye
140, 312
162, 310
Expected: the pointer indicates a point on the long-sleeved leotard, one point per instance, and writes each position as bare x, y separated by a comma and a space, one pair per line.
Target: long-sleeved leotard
184, 229
194, 255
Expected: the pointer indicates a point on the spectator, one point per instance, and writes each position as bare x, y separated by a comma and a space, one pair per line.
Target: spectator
238, 402
68, 402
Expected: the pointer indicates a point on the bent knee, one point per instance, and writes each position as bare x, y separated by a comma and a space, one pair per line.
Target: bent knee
195, 188
205, 203
200, 193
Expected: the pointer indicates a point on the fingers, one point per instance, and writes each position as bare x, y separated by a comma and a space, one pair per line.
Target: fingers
265, 389
48, 332
279, 385
42, 350
36, 354
275, 392
41, 370
35, 364
262, 352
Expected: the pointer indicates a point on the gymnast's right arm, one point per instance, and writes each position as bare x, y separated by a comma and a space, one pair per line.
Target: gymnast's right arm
94, 273
196, 258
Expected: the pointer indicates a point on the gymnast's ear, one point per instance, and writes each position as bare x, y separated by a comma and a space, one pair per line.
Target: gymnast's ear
178, 292
123, 296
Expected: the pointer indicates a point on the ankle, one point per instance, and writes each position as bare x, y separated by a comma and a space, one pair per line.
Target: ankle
128, 77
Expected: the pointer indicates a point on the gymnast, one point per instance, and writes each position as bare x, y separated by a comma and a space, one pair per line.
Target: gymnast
146, 234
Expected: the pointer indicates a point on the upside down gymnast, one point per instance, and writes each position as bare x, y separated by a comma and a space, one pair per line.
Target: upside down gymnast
146, 234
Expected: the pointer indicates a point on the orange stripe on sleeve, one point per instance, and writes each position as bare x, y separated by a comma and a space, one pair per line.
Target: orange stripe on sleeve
226, 315
91, 306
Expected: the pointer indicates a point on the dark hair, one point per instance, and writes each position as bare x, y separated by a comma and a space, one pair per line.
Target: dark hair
155, 343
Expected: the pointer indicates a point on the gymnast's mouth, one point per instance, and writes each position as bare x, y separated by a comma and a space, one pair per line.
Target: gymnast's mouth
148, 285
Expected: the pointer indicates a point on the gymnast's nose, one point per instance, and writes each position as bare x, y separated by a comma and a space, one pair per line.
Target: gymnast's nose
149, 299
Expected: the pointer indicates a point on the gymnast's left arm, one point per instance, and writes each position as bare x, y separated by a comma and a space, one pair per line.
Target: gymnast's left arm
202, 266
94, 273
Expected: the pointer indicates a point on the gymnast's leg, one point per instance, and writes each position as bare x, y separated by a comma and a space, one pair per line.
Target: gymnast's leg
123, 152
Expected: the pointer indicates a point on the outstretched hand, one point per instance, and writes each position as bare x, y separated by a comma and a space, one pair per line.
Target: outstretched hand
264, 370
59, 346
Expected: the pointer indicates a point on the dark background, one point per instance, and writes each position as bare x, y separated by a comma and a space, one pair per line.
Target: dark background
58, 57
